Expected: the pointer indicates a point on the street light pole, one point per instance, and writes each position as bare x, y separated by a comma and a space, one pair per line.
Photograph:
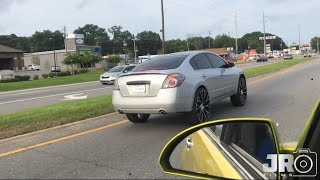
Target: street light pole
54, 55
134, 49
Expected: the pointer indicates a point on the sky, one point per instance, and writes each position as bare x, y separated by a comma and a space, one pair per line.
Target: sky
183, 18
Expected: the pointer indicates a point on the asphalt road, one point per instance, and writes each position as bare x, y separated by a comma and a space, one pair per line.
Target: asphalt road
126, 150
11, 102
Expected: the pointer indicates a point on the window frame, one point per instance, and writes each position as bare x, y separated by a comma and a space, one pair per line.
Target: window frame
218, 57
193, 60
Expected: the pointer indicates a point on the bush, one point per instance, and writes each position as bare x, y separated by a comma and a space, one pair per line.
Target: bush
35, 77
9, 80
51, 75
22, 78
45, 76
75, 72
83, 71
63, 73
68, 73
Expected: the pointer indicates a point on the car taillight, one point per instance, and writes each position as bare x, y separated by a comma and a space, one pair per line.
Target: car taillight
116, 85
173, 80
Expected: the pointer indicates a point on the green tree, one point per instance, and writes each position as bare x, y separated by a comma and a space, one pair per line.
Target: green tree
22, 43
314, 42
196, 43
148, 42
46, 41
223, 41
252, 40
176, 45
119, 38
114, 59
94, 35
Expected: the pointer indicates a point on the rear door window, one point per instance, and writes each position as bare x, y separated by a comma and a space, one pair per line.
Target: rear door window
164, 62
201, 62
216, 61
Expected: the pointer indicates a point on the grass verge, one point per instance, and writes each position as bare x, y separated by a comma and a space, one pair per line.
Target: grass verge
54, 115
257, 71
86, 77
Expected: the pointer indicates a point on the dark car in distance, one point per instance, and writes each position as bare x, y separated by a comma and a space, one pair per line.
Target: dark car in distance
262, 59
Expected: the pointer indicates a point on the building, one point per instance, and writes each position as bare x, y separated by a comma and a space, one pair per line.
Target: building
10, 58
74, 44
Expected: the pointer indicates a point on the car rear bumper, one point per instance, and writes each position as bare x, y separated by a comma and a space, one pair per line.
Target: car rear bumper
167, 101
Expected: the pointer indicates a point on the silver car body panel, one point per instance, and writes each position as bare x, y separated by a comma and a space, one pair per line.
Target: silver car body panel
142, 92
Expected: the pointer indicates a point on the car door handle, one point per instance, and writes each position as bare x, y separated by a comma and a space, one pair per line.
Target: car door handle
189, 142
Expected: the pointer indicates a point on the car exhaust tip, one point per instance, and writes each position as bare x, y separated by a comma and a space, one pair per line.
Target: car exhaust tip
163, 112
120, 111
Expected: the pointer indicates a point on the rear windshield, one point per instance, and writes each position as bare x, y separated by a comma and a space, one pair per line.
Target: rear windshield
165, 62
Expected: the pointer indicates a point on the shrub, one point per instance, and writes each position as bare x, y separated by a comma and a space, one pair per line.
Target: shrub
22, 78
35, 77
75, 72
26, 78
63, 73
45, 76
83, 70
68, 73
9, 80
51, 75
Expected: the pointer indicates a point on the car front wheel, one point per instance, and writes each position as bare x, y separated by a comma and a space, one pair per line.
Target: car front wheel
138, 118
240, 98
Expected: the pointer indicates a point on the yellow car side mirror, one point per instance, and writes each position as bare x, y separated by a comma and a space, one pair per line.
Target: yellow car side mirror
223, 149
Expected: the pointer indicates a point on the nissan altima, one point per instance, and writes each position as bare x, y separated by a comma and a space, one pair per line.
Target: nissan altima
188, 82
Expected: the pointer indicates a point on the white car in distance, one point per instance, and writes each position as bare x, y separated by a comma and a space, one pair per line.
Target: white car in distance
32, 67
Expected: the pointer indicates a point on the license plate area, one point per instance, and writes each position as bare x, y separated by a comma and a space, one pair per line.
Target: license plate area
138, 88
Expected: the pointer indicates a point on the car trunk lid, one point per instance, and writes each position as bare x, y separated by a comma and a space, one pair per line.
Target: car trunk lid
145, 84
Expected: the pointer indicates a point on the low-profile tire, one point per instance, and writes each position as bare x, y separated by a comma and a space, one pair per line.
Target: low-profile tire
138, 118
240, 98
201, 107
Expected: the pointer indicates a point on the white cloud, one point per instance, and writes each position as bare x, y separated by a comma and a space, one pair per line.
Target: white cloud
183, 17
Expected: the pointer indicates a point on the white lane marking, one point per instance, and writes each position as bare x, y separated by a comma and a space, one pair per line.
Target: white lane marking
36, 92
75, 97
50, 87
9, 102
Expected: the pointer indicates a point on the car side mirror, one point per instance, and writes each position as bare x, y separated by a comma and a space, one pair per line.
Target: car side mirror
223, 149
231, 64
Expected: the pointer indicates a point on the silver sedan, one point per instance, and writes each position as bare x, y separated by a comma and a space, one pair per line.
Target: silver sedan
180, 82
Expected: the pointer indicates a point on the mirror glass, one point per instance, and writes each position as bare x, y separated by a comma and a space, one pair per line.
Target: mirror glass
235, 150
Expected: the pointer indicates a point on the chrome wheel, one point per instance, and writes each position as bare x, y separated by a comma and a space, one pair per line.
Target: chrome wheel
203, 106
243, 90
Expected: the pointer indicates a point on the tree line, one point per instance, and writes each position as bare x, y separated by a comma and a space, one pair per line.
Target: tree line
147, 42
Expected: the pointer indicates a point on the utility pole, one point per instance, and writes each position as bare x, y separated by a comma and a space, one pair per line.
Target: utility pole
162, 30
65, 38
299, 40
188, 46
264, 36
317, 45
236, 25
209, 39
